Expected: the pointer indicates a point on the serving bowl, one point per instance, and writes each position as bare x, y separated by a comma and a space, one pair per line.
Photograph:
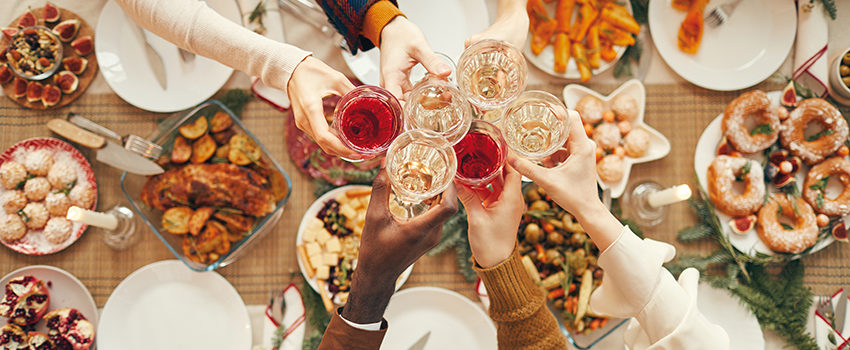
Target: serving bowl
57, 55
131, 186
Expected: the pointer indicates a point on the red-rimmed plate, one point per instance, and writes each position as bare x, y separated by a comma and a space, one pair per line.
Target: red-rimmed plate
34, 242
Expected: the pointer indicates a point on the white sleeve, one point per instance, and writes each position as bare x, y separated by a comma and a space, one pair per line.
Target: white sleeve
193, 26
635, 284
362, 326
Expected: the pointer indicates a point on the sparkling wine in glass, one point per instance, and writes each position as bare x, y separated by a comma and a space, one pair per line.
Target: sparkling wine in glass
436, 104
491, 73
481, 154
421, 164
535, 124
368, 119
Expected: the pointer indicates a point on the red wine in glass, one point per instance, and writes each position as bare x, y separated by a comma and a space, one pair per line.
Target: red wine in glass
480, 155
368, 119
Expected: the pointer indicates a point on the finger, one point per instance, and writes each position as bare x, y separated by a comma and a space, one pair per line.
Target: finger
432, 63
392, 83
578, 137
342, 85
498, 185
320, 131
438, 214
380, 198
525, 167
471, 201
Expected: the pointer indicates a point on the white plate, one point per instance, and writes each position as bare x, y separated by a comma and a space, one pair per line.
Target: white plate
164, 305
726, 311
454, 321
704, 154
445, 23
545, 61
124, 65
744, 51
659, 146
65, 291
311, 212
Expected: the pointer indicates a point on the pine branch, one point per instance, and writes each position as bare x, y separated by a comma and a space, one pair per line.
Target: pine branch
464, 258
453, 231
694, 233
235, 100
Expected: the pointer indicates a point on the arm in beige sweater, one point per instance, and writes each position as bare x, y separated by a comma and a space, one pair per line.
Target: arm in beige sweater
193, 26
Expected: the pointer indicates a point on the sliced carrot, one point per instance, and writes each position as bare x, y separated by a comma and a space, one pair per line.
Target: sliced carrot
564, 15
562, 52
586, 15
594, 52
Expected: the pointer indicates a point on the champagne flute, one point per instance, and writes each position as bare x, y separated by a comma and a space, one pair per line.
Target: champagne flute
436, 104
491, 73
481, 155
536, 125
367, 119
420, 164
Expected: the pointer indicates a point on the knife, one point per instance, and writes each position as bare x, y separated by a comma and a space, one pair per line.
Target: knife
420, 344
841, 311
108, 152
153, 57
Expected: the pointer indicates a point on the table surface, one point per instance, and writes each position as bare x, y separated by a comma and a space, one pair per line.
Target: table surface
676, 108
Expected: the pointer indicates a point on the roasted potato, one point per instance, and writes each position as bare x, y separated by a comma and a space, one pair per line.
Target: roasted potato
222, 138
202, 149
194, 130
190, 252
199, 219
222, 152
220, 121
210, 238
235, 222
243, 150
181, 150
224, 242
176, 220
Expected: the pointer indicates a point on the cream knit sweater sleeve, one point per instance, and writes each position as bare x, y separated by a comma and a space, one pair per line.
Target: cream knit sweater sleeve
193, 26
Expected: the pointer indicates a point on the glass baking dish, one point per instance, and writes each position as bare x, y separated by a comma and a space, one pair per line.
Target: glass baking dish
132, 184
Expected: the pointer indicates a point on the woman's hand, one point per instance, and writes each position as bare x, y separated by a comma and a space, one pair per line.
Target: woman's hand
311, 81
493, 221
511, 25
403, 46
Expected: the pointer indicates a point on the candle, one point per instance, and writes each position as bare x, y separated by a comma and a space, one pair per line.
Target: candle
88, 217
669, 196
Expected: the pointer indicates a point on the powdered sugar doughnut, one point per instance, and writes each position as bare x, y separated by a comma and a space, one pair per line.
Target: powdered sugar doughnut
794, 128
36, 188
590, 109
721, 178
61, 175
82, 196
57, 203
835, 167
38, 162
12, 228
625, 107
607, 136
636, 143
805, 229
611, 168
36, 215
11, 174
757, 104
13, 201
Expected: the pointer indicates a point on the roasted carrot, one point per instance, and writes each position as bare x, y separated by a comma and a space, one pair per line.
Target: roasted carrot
586, 15
556, 293
541, 36
690, 32
564, 15
536, 13
615, 35
681, 5
581, 61
594, 51
620, 18
562, 52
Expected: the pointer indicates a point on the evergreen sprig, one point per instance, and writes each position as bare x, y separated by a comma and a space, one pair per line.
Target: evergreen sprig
317, 316
235, 100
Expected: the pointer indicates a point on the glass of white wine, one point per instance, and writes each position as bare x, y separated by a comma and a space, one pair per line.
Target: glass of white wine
436, 104
421, 164
535, 125
491, 74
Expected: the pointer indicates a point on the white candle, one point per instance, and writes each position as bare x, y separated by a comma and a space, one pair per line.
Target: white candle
669, 196
88, 217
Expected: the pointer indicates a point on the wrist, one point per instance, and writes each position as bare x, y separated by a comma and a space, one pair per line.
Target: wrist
491, 253
368, 299
591, 210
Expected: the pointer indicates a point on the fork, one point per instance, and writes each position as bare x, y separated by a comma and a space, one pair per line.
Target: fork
825, 309
132, 143
721, 14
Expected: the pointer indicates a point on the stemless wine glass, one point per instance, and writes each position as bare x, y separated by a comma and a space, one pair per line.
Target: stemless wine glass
491, 73
436, 104
481, 155
535, 124
367, 119
421, 164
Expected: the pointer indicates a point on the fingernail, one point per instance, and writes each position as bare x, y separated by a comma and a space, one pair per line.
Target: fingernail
444, 68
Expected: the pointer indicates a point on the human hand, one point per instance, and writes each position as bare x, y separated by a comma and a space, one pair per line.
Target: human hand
493, 220
403, 46
311, 81
388, 246
511, 25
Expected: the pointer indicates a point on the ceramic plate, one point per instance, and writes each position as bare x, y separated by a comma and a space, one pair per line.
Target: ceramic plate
454, 321
744, 51
124, 65
311, 212
445, 23
164, 305
545, 61
65, 291
704, 154
659, 146
34, 242
726, 311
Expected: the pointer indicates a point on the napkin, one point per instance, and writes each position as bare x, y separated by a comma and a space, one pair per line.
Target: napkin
811, 68
274, 30
293, 320
823, 329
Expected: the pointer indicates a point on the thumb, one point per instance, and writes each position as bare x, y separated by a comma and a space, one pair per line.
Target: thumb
433, 63
380, 192
469, 198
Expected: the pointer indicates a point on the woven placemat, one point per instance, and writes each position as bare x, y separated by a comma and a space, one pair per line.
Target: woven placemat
678, 111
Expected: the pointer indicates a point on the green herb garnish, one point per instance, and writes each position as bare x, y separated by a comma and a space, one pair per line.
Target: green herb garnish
24, 215
821, 184
762, 129
786, 226
744, 171
823, 133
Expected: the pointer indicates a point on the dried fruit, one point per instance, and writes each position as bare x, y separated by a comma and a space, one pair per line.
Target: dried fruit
778, 156
66, 81
27, 20
743, 225
51, 13
8, 33
51, 95
20, 88
76, 65
724, 149
67, 30
789, 95
34, 91
795, 163
783, 180
839, 231
83, 46
5, 74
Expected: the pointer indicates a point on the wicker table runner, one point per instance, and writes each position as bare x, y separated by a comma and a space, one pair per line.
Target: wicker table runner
679, 111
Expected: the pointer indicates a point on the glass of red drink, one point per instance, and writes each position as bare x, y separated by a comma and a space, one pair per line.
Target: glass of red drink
367, 119
481, 155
